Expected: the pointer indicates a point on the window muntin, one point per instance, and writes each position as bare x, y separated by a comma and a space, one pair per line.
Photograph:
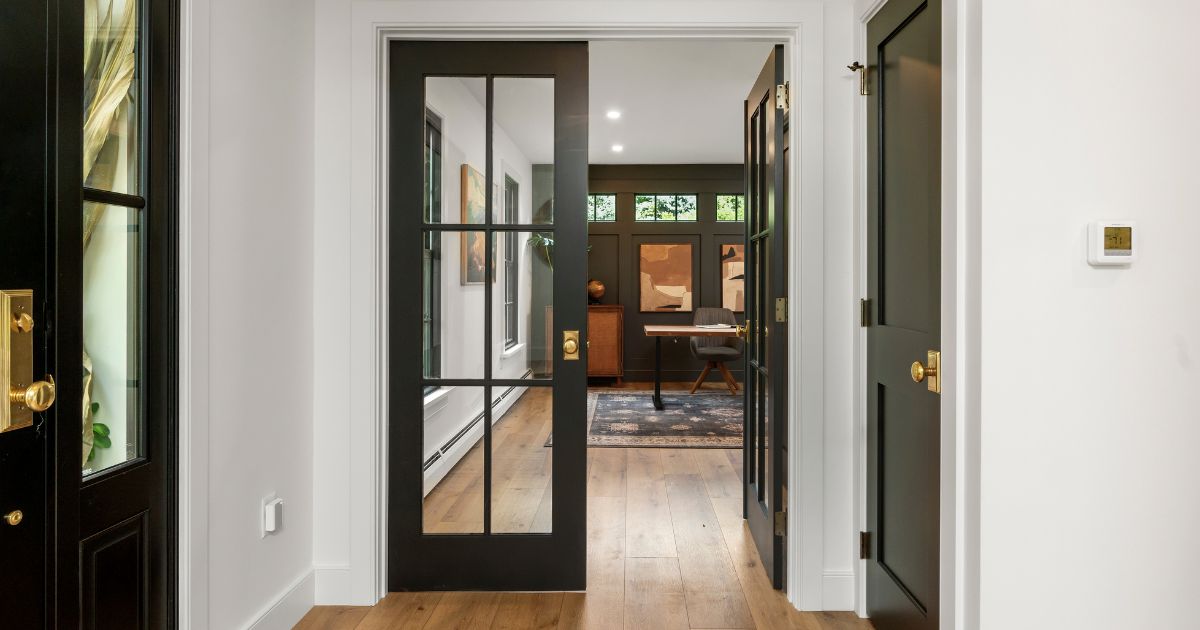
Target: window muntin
731, 208
431, 272
511, 274
670, 207
602, 208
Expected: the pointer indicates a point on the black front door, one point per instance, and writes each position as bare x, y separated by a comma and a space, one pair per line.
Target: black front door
904, 275
764, 464
487, 243
87, 312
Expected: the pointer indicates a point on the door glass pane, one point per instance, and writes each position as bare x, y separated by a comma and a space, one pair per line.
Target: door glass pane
453, 461
523, 306
452, 294
111, 77
112, 304
456, 164
522, 140
522, 483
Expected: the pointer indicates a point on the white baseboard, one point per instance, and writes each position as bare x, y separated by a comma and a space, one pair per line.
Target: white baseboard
837, 590
333, 584
288, 607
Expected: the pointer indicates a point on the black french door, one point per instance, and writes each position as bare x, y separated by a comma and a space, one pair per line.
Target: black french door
764, 463
87, 313
487, 262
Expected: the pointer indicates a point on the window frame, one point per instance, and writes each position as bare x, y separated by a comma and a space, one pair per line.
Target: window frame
739, 212
675, 197
431, 291
512, 280
592, 197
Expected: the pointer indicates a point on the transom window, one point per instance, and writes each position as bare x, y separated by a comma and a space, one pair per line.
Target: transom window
602, 208
665, 207
731, 207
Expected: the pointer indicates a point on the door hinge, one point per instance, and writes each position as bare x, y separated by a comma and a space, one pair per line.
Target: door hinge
864, 545
781, 310
783, 96
781, 523
864, 312
863, 89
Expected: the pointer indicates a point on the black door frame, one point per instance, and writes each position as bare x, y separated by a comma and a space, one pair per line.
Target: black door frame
134, 500
555, 561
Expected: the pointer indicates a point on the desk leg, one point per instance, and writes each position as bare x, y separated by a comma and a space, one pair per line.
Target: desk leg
658, 404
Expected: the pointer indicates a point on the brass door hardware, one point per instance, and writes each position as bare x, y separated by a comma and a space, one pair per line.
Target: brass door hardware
25, 396
744, 331
14, 517
930, 372
862, 77
570, 345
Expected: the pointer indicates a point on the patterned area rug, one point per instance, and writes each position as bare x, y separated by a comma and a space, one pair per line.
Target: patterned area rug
628, 419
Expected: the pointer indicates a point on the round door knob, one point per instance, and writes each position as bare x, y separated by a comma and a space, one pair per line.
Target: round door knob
14, 517
22, 322
570, 346
37, 397
917, 371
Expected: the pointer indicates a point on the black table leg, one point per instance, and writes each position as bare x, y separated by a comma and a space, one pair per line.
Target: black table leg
658, 404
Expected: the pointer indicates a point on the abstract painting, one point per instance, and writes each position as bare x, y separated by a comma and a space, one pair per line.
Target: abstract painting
474, 210
666, 277
733, 277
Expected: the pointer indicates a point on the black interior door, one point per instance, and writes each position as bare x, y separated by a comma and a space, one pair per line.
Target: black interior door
487, 313
87, 299
904, 267
766, 344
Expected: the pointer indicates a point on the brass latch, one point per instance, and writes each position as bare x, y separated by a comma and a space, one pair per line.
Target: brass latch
570, 345
25, 396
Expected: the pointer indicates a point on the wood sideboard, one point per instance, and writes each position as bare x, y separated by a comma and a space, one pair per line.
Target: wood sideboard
606, 341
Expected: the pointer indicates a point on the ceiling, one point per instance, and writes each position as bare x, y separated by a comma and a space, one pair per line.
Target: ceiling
680, 102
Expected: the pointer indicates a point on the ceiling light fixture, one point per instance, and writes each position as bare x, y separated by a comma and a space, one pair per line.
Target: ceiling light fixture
613, 114
617, 148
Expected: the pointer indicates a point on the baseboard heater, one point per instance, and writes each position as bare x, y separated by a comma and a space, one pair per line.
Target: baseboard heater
442, 450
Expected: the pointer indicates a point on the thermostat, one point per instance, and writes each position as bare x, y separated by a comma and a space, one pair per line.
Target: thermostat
1111, 244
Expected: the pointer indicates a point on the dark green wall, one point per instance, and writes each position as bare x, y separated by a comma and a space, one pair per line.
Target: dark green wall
613, 258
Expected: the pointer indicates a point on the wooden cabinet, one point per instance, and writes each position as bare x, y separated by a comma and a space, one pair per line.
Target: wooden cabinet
606, 341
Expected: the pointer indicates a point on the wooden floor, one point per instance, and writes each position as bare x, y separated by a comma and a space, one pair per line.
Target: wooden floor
667, 547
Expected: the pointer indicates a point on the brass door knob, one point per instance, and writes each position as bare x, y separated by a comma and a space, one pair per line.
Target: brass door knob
928, 371
918, 372
38, 397
22, 322
743, 331
14, 517
570, 346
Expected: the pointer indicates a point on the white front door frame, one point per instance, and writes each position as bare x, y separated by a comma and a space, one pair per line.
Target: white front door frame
350, 474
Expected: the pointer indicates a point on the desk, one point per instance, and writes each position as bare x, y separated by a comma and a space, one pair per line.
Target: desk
658, 332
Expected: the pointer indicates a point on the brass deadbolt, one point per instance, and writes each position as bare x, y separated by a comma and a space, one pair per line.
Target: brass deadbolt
22, 322
14, 517
37, 397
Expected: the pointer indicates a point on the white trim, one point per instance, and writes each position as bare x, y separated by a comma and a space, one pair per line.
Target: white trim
837, 590
960, 314
359, 175
193, 296
287, 608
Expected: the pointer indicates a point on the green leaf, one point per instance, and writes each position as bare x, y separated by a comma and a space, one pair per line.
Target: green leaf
102, 441
99, 428
91, 454
95, 408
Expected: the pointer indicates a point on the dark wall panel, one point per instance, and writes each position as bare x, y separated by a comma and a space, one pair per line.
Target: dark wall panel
113, 567
614, 253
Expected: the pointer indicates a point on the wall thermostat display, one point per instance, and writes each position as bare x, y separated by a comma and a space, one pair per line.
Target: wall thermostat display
1111, 244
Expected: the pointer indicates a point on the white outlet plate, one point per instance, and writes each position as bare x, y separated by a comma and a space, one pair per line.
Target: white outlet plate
270, 515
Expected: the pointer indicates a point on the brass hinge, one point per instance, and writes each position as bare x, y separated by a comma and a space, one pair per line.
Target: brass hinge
864, 545
781, 523
781, 310
863, 89
783, 96
864, 312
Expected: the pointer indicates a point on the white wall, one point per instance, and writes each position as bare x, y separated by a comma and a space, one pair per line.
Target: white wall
248, 167
1090, 402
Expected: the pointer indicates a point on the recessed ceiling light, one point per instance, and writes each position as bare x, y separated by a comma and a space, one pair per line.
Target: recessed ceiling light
617, 148
613, 114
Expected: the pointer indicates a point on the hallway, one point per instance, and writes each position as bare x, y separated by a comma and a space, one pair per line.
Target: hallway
667, 549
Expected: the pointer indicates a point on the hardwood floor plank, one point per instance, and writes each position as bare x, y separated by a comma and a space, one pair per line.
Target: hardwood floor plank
655, 611
648, 531
461, 610
606, 472
528, 611
401, 611
653, 575
333, 618
603, 610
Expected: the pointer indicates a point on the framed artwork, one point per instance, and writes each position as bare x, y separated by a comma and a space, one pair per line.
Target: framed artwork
666, 277
733, 277
474, 210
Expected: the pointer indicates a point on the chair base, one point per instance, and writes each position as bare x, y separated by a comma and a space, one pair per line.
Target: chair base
725, 374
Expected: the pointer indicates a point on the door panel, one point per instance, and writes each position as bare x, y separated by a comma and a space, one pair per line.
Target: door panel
474, 490
904, 225
766, 343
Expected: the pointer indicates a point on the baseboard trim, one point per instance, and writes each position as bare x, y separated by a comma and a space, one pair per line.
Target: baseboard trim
289, 607
333, 584
837, 590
